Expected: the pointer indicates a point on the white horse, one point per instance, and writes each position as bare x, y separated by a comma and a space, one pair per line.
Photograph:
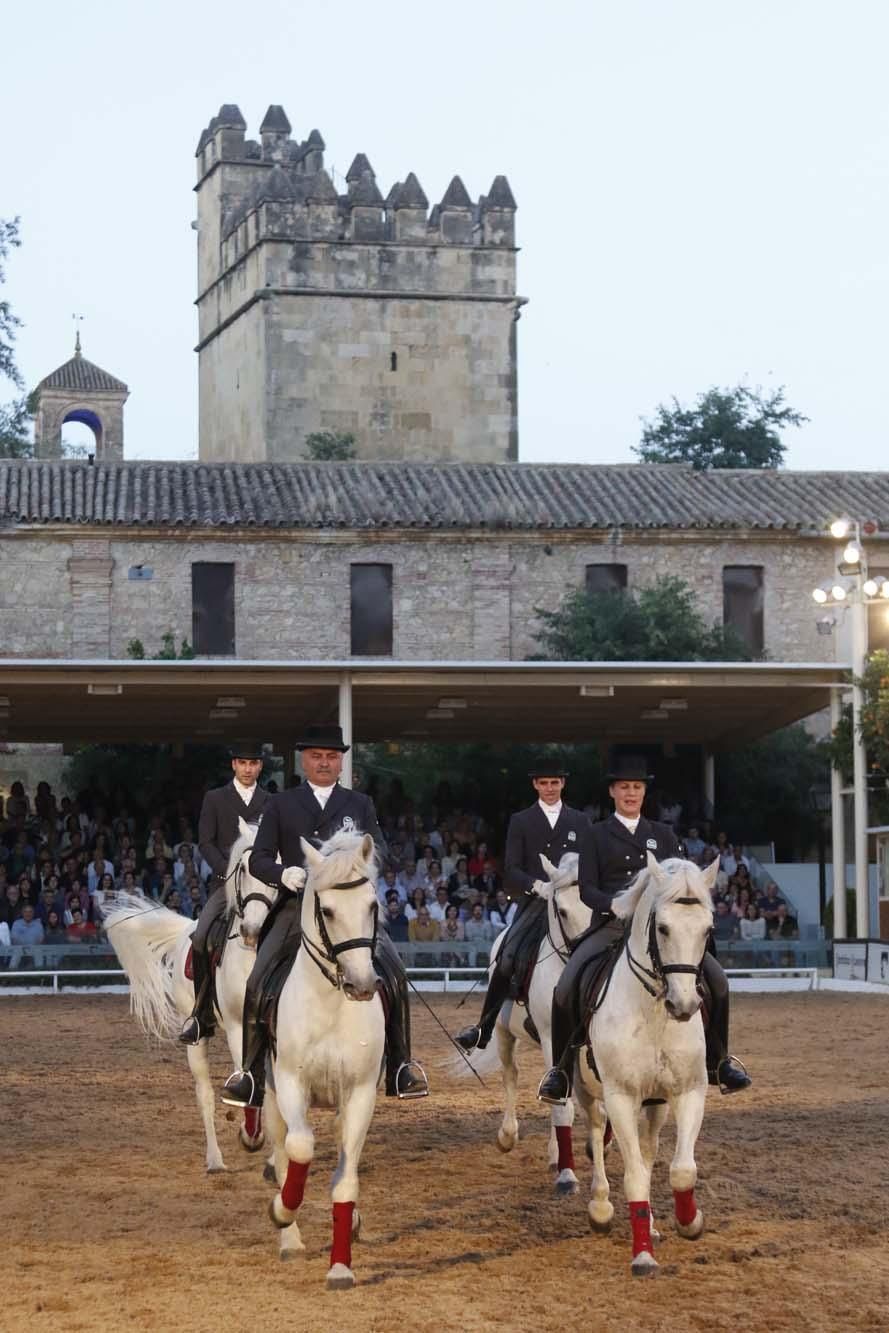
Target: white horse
647, 1041
567, 918
330, 1040
152, 944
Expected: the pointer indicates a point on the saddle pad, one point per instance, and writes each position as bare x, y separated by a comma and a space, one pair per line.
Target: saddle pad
189, 963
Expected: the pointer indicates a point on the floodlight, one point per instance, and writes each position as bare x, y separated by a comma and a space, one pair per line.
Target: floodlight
870, 587
839, 528
852, 554
819, 595
838, 592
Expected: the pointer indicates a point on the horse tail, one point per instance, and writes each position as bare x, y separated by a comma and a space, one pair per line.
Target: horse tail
460, 1065
144, 937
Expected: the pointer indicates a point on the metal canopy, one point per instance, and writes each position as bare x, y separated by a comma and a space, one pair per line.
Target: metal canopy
719, 705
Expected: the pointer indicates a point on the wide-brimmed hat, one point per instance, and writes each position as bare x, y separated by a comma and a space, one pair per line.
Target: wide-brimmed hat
325, 736
630, 768
545, 766
246, 750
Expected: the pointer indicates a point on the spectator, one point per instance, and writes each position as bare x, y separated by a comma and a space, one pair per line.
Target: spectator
769, 902
488, 882
185, 864
742, 902
45, 803
96, 869
459, 884
451, 930
11, 904
478, 931
503, 911
193, 899
439, 906
477, 860
434, 877
80, 931
24, 933
752, 925
417, 902
17, 803
409, 878
449, 862
395, 922
4, 928
54, 928
388, 883
695, 846
784, 926
725, 926
423, 929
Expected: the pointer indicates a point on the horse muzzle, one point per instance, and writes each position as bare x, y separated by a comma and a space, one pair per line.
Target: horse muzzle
682, 1011
249, 938
353, 992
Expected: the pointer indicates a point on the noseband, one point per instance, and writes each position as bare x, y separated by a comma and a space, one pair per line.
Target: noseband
568, 941
659, 971
330, 952
240, 900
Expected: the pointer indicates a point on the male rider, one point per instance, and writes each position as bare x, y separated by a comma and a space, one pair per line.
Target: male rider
550, 828
218, 830
611, 856
315, 810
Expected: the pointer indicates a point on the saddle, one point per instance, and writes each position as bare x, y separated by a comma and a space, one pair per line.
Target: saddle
518, 954
217, 937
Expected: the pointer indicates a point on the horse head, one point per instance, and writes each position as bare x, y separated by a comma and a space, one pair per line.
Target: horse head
340, 910
670, 910
249, 899
568, 914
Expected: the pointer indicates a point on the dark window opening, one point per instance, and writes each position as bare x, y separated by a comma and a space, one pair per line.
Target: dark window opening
606, 578
742, 604
878, 614
393, 361
213, 609
371, 592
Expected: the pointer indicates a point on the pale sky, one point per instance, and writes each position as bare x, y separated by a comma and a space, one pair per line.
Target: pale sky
702, 190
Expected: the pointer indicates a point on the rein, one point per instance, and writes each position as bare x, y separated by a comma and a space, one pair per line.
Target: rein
241, 901
568, 942
328, 954
659, 970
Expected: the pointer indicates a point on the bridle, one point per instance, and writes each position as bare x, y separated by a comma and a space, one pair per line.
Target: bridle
568, 941
659, 971
241, 900
329, 954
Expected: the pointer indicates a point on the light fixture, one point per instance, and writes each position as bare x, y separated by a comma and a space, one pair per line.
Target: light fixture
4, 700
825, 624
231, 701
654, 714
852, 554
870, 587
93, 688
216, 713
839, 528
452, 703
820, 596
597, 691
674, 705
838, 592
884, 590
440, 714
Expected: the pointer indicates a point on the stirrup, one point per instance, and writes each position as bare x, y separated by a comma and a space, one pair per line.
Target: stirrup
470, 1038
191, 1032
737, 1066
243, 1098
550, 1096
412, 1093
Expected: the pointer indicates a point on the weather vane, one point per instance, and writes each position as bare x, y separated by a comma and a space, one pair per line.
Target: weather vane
78, 319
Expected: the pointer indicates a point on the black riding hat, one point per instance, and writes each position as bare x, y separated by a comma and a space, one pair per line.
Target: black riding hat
545, 766
246, 750
325, 736
630, 768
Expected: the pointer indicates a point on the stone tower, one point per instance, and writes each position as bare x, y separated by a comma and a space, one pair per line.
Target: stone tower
349, 312
80, 391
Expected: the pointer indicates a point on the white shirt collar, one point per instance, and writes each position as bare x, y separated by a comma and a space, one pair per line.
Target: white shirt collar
245, 793
631, 824
322, 794
552, 812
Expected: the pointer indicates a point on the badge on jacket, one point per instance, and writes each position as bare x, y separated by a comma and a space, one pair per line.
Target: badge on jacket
651, 844
348, 824
572, 836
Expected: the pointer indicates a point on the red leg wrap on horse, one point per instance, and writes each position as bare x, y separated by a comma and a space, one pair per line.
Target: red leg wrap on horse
566, 1147
294, 1186
341, 1249
252, 1121
686, 1208
640, 1221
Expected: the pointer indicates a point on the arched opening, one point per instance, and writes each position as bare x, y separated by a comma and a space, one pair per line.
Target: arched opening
81, 433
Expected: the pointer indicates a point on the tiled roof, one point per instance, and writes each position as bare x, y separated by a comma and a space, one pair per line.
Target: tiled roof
519, 496
78, 373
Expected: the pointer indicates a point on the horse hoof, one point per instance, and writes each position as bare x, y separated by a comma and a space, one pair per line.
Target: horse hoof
340, 1278
506, 1142
218, 1170
356, 1225
292, 1252
248, 1144
276, 1216
601, 1226
644, 1265
268, 1173
567, 1187
694, 1229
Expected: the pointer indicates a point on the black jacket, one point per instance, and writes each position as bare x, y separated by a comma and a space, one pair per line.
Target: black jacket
294, 814
218, 825
529, 835
611, 856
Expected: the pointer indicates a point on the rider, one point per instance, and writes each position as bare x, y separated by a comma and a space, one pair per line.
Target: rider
548, 827
611, 856
315, 810
218, 830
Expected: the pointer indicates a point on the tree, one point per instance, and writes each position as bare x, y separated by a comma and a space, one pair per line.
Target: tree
9, 240
727, 428
168, 653
874, 731
762, 791
661, 623
330, 446
15, 437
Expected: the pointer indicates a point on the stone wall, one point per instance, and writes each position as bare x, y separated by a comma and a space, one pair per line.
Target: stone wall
456, 596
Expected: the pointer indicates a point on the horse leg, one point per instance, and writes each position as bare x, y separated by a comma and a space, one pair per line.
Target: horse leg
561, 1120
199, 1064
508, 1133
653, 1118
250, 1134
623, 1112
355, 1118
600, 1208
688, 1108
299, 1148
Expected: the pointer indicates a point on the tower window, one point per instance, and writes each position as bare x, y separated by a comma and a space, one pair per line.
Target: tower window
393, 361
213, 608
606, 578
742, 603
371, 589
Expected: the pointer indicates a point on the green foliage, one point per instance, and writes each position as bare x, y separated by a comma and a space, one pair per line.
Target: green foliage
168, 653
726, 428
15, 435
762, 790
874, 731
9, 240
149, 777
330, 446
660, 623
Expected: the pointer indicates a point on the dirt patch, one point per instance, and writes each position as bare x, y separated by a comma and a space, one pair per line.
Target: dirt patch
109, 1220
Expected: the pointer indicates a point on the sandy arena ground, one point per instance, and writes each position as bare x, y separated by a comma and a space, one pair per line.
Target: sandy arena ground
110, 1222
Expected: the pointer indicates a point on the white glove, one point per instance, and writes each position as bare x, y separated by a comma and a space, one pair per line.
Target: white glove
293, 877
537, 887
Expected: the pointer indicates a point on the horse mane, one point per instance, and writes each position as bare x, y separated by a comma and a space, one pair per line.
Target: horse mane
664, 886
340, 855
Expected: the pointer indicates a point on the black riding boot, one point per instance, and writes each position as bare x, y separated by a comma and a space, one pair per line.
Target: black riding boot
556, 1084
246, 1087
479, 1034
405, 1078
202, 1020
723, 1070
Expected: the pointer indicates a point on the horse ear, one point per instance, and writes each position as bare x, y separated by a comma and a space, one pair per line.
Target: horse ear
709, 875
312, 855
368, 847
548, 866
654, 867
246, 830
